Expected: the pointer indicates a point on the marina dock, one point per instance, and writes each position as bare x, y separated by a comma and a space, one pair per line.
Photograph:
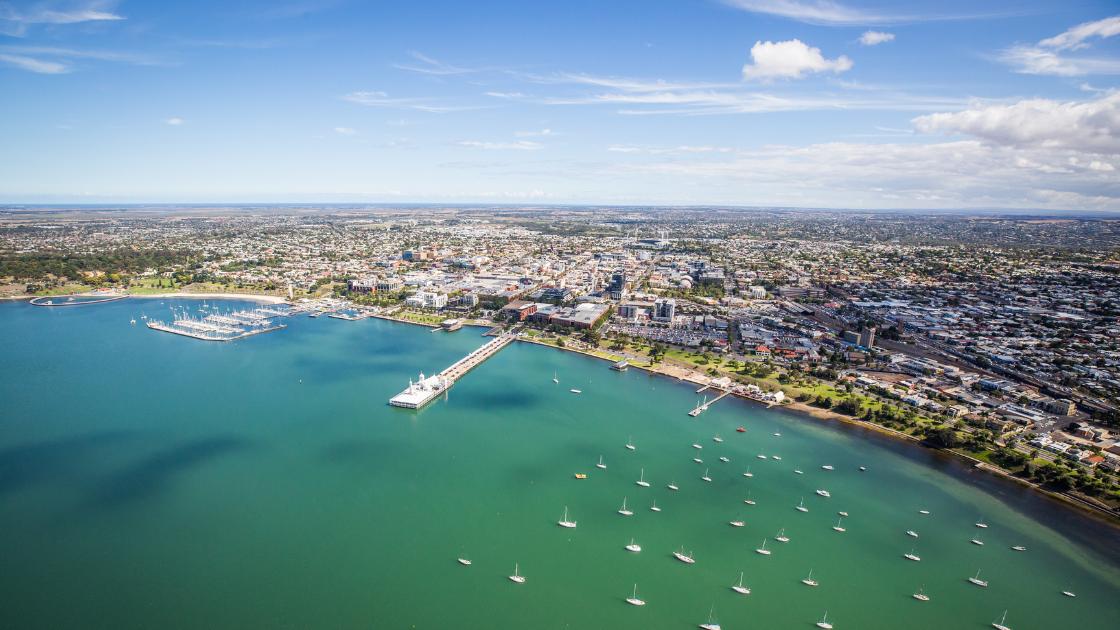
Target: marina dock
222, 326
708, 403
427, 389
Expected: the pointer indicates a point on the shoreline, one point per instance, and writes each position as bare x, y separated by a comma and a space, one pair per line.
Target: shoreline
267, 299
803, 409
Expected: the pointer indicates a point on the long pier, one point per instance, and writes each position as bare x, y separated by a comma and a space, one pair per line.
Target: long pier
704, 406
429, 388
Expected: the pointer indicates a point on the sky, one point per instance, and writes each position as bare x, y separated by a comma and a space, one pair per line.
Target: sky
863, 104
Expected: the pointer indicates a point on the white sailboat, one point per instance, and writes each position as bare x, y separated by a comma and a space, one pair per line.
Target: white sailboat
555, 378
517, 577
624, 510
843, 513
1002, 623
654, 508
781, 537
717, 439
748, 500
827, 467
912, 556
824, 493
696, 446
576, 391
697, 460
737, 523
633, 547
711, 624
801, 506
463, 560
748, 473
823, 623
739, 588
763, 550
683, 557
642, 479
921, 595
633, 599
565, 522
981, 524
923, 512
977, 541
797, 471
809, 581
1069, 593
672, 486
1019, 548
761, 456
977, 581
601, 464
630, 444
706, 477
724, 459
911, 533
776, 457
839, 527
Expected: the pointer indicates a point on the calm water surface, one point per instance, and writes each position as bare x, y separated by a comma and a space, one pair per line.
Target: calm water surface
150, 480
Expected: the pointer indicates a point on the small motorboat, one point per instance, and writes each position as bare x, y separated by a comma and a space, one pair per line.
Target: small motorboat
741, 430
863, 468
581, 475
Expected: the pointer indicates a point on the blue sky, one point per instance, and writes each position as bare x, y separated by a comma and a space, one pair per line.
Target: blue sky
811, 103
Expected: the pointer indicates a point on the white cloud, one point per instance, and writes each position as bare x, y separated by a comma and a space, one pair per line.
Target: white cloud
682, 149
826, 12
30, 64
1088, 126
1047, 57
382, 99
791, 59
14, 22
428, 65
345, 131
874, 38
1075, 37
175, 121
520, 145
539, 133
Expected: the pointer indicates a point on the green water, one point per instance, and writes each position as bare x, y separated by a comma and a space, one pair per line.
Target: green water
150, 480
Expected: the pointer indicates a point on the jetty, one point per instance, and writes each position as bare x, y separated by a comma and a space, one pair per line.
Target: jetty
427, 389
222, 326
702, 407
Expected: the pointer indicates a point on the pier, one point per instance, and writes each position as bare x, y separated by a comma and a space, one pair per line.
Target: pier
427, 389
219, 326
708, 403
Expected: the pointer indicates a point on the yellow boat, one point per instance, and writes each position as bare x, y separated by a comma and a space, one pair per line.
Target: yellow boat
581, 475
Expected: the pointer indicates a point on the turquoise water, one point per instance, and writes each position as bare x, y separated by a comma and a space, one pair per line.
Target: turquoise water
150, 480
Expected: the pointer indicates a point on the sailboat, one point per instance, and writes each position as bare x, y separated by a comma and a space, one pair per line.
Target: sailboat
724, 459
748, 473
977, 541
601, 464
685, 558
463, 560
801, 507
696, 446
672, 486
654, 508
981, 524
912, 556
706, 477
837, 526
1019, 548
633, 599
564, 522
809, 581
132, 321
763, 550
711, 624
921, 595
633, 547
827, 467
776, 457
823, 623
797, 471
781, 537
748, 500
630, 444
976, 579
555, 378
842, 513
717, 439
824, 493
1002, 623
739, 588
697, 460
624, 510
517, 577
923, 512
642, 479
911, 533
737, 523
1069, 593
761, 456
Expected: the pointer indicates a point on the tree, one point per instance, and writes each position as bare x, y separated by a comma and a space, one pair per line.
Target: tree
942, 437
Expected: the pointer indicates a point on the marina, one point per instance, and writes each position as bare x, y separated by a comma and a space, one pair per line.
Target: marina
230, 326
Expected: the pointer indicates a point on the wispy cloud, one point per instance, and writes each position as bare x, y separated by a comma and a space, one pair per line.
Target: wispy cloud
31, 64
824, 12
1050, 56
382, 99
520, 145
73, 53
15, 21
427, 65
345, 131
683, 149
538, 133
175, 121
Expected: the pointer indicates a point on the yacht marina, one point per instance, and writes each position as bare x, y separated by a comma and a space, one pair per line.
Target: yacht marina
222, 326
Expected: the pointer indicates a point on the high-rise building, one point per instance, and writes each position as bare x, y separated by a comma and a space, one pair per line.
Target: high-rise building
867, 337
617, 287
664, 309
